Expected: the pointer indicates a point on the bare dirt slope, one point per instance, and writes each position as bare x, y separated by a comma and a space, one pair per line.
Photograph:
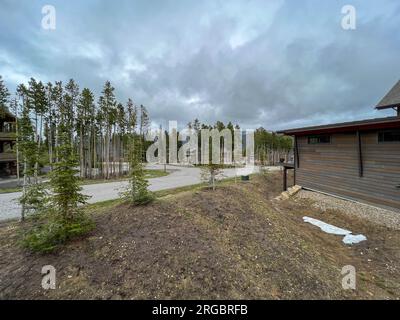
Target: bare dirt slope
234, 243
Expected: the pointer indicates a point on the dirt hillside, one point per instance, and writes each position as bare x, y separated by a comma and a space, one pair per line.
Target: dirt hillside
232, 243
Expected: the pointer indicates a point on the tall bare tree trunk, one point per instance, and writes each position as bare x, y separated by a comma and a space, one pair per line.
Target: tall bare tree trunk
50, 140
94, 161
82, 156
17, 145
24, 191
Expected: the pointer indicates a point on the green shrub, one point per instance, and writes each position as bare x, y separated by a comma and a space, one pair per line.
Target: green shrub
143, 198
35, 197
137, 191
48, 234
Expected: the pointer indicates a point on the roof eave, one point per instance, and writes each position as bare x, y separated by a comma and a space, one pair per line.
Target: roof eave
388, 124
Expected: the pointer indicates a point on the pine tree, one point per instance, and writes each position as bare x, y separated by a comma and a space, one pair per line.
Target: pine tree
28, 148
69, 105
14, 106
137, 192
38, 103
49, 122
4, 96
121, 133
100, 135
132, 116
63, 218
131, 124
107, 105
144, 120
143, 129
66, 196
85, 117
55, 108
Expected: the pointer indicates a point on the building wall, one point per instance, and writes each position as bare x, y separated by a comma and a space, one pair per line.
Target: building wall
8, 163
334, 168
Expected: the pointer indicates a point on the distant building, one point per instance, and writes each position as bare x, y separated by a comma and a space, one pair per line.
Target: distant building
8, 158
357, 160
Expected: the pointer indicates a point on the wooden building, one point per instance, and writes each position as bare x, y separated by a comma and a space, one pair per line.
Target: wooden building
8, 158
357, 160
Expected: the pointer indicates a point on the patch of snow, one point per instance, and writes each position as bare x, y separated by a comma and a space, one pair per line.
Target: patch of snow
351, 239
328, 228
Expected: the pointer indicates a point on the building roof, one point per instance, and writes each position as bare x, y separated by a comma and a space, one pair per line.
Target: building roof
362, 125
392, 98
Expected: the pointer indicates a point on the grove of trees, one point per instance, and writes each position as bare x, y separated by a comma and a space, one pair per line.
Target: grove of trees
99, 129
76, 136
62, 127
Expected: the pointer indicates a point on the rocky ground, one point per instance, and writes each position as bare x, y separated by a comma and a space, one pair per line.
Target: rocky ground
384, 217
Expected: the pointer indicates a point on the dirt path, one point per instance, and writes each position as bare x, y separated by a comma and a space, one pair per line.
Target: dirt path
234, 243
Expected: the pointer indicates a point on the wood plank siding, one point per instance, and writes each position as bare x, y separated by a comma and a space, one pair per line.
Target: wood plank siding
335, 167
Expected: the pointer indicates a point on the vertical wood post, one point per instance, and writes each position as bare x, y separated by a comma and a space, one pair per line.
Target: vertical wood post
284, 178
297, 159
294, 176
360, 157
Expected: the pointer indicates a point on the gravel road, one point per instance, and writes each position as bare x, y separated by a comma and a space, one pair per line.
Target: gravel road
179, 177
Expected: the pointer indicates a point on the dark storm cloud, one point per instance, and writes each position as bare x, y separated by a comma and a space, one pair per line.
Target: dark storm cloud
259, 63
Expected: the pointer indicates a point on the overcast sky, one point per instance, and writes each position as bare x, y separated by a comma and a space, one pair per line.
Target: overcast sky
276, 64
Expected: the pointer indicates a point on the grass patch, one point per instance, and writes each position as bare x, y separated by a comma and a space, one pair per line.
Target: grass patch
155, 173
149, 174
10, 190
94, 208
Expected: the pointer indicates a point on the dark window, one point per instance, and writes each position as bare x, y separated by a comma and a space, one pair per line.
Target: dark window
389, 136
318, 139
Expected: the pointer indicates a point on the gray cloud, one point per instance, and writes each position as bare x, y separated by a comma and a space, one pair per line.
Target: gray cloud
274, 64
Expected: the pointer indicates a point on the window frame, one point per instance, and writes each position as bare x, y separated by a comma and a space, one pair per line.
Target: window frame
309, 137
382, 132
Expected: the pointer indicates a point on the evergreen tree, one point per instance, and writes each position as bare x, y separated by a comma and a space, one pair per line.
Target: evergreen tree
120, 136
38, 103
62, 218
14, 106
107, 105
56, 100
68, 107
66, 196
144, 120
85, 121
4, 96
132, 116
49, 122
28, 148
143, 129
137, 192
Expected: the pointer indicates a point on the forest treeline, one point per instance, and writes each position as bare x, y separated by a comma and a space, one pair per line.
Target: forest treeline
99, 128
74, 134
